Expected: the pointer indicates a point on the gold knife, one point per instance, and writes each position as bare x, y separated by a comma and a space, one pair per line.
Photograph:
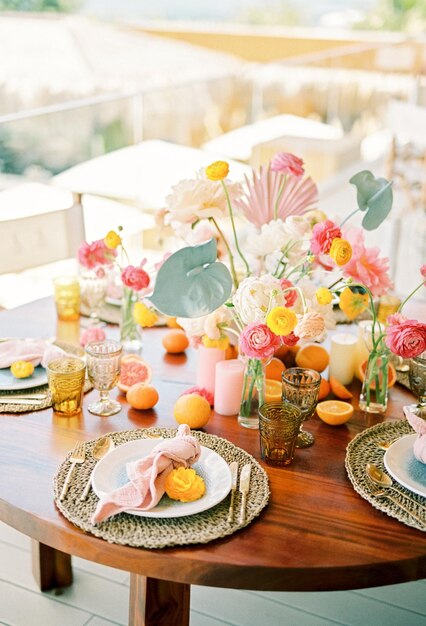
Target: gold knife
23, 396
23, 401
244, 488
234, 475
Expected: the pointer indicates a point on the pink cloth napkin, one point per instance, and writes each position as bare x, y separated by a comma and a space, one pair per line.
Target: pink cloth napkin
148, 476
34, 350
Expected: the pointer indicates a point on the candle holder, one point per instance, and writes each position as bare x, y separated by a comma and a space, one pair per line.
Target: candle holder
301, 388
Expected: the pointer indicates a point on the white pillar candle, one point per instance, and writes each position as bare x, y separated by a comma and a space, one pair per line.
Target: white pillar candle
342, 357
206, 366
362, 349
228, 386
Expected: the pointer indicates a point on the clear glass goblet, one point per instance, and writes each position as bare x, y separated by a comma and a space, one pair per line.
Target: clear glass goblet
301, 387
103, 369
417, 378
93, 289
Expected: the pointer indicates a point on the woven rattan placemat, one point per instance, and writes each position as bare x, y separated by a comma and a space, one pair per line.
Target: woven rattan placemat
364, 449
132, 530
12, 407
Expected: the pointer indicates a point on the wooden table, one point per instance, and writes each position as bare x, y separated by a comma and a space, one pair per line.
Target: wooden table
316, 534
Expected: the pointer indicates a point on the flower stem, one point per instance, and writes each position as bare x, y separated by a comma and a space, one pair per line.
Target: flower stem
279, 196
410, 295
231, 258
348, 217
231, 215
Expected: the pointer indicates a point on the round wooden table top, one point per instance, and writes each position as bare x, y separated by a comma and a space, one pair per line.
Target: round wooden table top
316, 533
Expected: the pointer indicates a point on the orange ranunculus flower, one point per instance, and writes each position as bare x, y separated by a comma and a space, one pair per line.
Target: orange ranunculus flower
353, 303
185, 485
340, 251
112, 240
217, 170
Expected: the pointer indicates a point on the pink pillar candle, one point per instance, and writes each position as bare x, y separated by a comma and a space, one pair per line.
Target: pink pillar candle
228, 387
206, 366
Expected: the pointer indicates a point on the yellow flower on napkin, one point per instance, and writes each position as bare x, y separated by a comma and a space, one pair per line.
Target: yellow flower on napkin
340, 251
217, 170
22, 369
112, 240
185, 485
144, 316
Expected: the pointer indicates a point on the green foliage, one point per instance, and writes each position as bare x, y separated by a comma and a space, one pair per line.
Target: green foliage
58, 6
405, 15
374, 196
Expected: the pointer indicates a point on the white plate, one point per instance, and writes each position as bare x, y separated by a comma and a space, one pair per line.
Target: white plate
110, 473
404, 467
9, 383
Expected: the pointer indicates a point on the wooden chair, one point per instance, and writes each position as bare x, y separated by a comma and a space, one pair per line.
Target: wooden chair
40, 227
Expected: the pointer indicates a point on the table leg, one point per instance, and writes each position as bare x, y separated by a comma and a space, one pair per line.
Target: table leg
51, 568
156, 602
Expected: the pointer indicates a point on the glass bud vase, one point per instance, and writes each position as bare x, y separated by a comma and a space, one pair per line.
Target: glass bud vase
253, 394
374, 393
130, 331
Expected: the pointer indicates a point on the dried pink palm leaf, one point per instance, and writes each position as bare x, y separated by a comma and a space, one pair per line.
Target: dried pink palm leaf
258, 203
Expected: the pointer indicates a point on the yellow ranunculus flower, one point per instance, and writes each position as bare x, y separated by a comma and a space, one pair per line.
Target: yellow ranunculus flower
324, 295
144, 316
222, 343
217, 170
112, 240
185, 485
281, 320
353, 303
340, 251
22, 369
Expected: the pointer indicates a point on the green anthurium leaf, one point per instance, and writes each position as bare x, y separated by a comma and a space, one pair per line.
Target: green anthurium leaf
191, 282
374, 196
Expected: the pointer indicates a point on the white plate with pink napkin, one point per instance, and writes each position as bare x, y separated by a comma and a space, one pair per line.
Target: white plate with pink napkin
403, 466
110, 474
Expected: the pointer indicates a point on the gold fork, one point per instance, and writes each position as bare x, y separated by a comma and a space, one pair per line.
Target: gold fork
77, 456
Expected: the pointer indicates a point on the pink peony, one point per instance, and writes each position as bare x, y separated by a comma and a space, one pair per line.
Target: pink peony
423, 272
323, 234
287, 163
290, 297
257, 341
200, 391
135, 277
91, 255
290, 340
407, 338
365, 266
395, 318
310, 326
92, 334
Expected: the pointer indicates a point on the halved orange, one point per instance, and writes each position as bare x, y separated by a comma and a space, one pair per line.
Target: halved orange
391, 375
312, 356
334, 412
273, 390
339, 390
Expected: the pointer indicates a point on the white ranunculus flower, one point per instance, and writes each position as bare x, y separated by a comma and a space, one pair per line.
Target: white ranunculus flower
199, 198
270, 237
254, 298
297, 227
212, 321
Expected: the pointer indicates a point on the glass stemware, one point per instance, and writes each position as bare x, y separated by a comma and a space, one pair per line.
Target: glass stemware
417, 378
93, 286
103, 369
301, 387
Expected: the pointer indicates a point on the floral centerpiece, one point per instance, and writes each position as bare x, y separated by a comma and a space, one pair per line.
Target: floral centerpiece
288, 262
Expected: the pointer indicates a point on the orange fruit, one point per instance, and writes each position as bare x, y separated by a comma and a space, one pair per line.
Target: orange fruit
172, 322
193, 410
133, 370
231, 352
273, 390
312, 356
274, 369
339, 390
334, 412
324, 389
391, 375
287, 355
142, 396
175, 341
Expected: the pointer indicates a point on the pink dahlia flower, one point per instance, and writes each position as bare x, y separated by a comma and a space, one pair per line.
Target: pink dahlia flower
258, 341
135, 277
323, 234
290, 297
366, 266
90, 255
287, 163
407, 338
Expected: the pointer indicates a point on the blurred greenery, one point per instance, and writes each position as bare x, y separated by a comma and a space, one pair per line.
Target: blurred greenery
59, 6
400, 15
